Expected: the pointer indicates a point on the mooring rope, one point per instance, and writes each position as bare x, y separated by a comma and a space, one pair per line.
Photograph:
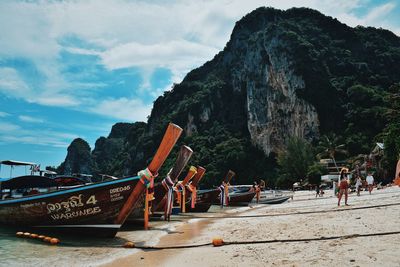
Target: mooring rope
240, 242
250, 242
243, 242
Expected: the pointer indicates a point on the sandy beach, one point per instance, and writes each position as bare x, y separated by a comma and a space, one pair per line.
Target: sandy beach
305, 217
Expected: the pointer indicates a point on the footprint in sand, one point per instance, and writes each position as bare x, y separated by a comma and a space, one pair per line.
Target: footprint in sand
334, 244
372, 258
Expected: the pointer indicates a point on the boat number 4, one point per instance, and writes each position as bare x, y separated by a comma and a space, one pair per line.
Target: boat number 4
72, 202
92, 200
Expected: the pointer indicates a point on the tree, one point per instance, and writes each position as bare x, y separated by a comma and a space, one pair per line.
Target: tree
295, 161
329, 146
314, 173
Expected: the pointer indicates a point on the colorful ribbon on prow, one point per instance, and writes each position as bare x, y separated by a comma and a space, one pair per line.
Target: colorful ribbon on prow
193, 190
169, 187
224, 196
147, 178
180, 193
181, 188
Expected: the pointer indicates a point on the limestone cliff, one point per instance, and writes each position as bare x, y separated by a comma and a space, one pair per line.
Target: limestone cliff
78, 159
267, 75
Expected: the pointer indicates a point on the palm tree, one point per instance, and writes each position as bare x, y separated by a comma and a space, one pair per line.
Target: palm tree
329, 146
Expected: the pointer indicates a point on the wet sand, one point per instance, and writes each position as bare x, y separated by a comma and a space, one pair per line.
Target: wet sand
157, 257
288, 223
182, 234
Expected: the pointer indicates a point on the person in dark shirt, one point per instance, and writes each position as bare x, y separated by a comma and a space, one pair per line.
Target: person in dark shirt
317, 194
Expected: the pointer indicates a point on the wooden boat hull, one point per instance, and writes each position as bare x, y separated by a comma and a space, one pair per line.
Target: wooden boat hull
273, 200
160, 197
240, 198
204, 200
89, 209
136, 217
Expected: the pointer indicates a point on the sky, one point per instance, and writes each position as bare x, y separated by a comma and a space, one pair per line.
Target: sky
72, 69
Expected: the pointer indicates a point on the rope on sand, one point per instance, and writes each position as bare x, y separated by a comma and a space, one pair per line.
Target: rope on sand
223, 243
292, 213
219, 242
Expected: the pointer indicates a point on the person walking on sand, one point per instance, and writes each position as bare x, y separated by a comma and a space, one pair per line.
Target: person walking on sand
358, 185
317, 194
343, 187
370, 182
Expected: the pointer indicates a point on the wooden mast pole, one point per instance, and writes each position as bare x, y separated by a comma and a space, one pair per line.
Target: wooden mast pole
191, 173
183, 157
170, 137
200, 173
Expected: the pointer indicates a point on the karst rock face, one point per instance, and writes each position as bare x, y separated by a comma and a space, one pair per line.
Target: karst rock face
78, 159
266, 74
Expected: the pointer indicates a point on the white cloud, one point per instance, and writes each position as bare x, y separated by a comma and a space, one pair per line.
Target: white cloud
11, 83
376, 15
25, 118
180, 56
8, 127
13, 133
3, 114
173, 54
57, 100
35, 140
124, 109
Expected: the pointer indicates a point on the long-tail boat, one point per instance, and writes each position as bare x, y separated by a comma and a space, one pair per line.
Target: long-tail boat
240, 198
223, 189
265, 196
184, 190
99, 208
200, 200
164, 191
230, 197
206, 197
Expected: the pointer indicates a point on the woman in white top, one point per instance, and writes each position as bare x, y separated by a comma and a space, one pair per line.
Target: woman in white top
358, 185
370, 182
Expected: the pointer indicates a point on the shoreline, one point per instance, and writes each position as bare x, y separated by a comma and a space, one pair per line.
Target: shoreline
359, 251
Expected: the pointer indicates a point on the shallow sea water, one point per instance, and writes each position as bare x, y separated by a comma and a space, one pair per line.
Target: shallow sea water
75, 250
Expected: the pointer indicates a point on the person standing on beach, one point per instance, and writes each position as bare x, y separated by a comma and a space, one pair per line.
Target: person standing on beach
262, 185
343, 187
317, 194
370, 182
358, 185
